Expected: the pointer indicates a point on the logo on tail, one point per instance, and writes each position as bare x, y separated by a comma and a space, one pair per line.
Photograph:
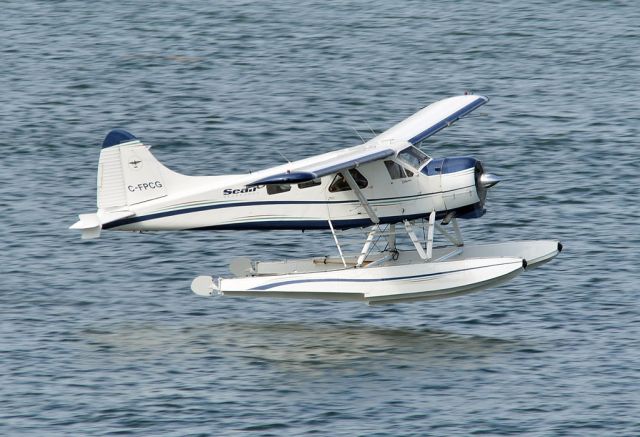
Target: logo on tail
136, 164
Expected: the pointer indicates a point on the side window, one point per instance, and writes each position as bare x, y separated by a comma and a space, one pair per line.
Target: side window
309, 184
412, 156
396, 171
340, 184
278, 188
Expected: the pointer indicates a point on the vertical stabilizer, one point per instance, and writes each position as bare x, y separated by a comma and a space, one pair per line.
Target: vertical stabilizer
128, 173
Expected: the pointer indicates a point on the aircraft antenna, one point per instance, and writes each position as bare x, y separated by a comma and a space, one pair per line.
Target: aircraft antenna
358, 133
282, 154
371, 129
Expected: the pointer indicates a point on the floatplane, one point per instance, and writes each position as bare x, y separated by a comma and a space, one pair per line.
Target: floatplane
387, 187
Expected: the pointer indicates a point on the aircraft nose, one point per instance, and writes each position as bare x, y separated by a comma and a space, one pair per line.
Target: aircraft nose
488, 180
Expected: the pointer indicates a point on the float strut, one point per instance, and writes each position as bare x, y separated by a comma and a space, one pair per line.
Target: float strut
335, 238
367, 245
414, 239
432, 220
391, 238
457, 240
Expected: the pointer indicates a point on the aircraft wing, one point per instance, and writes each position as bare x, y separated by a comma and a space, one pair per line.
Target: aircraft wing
350, 158
433, 118
410, 131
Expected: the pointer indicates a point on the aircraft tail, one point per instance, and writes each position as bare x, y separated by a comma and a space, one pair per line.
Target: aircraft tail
128, 174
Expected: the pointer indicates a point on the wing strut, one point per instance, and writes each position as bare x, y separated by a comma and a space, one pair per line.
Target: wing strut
363, 200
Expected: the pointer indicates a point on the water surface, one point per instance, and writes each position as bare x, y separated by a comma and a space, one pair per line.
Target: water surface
104, 337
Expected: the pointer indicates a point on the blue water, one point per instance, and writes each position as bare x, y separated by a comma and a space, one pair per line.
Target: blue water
104, 337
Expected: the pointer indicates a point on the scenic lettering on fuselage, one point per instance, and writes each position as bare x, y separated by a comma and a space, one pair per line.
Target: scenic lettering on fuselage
244, 190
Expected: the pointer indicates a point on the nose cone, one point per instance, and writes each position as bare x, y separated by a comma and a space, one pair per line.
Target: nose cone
488, 180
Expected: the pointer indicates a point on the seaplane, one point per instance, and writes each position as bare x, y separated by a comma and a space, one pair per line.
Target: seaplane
386, 188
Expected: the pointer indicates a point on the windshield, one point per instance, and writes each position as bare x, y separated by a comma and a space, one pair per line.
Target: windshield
414, 157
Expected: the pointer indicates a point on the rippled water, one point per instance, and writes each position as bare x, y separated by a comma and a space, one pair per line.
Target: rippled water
104, 337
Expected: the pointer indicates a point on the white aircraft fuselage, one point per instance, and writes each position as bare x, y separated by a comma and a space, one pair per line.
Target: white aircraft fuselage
395, 190
386, 180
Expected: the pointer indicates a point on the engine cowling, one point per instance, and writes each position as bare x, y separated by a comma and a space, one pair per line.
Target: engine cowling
462, 183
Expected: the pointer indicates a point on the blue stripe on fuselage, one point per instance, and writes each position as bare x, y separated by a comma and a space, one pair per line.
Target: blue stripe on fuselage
128, 221
157, 215
304, 224
288, 225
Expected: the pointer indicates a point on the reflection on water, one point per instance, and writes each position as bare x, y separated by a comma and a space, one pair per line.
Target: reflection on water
299, 346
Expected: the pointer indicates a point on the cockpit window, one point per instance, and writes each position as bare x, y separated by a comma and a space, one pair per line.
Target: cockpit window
412, 156
340, 184
396, 171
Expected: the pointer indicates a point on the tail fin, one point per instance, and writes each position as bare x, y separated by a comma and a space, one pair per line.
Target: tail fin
128, 174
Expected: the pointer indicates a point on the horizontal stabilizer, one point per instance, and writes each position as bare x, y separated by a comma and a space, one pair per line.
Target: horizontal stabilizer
91, 224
